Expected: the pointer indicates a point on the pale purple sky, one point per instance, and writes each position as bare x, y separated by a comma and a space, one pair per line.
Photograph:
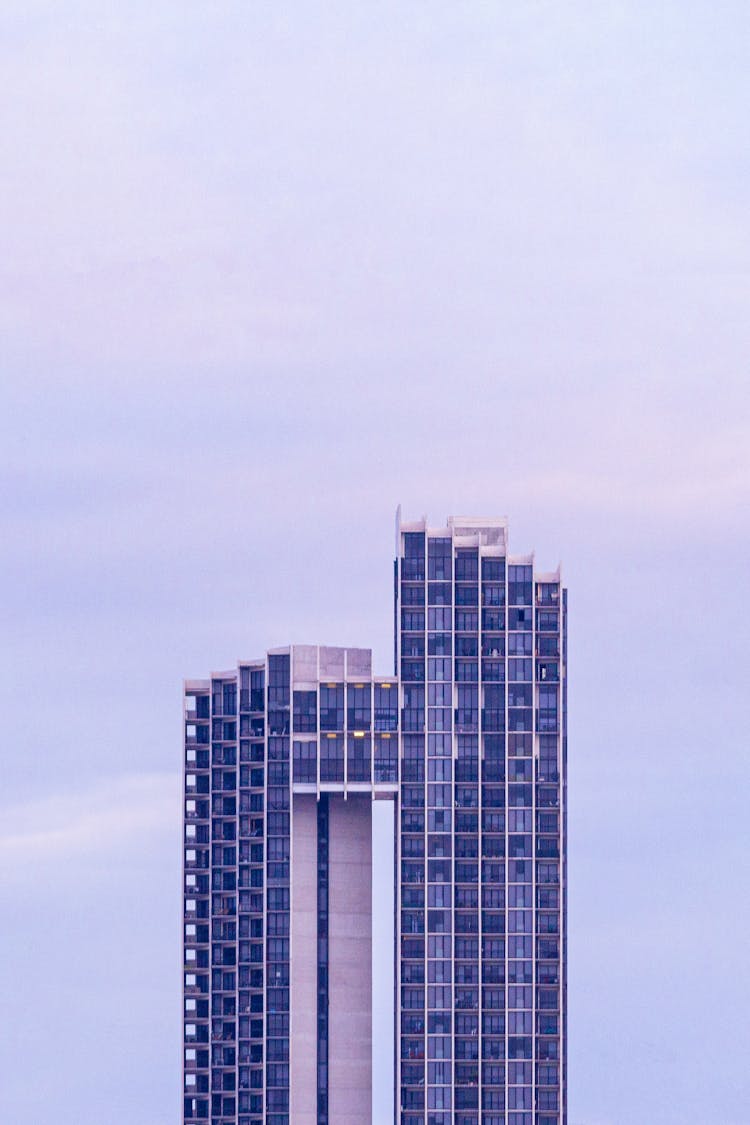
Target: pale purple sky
268, 270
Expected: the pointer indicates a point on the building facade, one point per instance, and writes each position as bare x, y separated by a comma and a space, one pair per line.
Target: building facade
283, 758
480, 651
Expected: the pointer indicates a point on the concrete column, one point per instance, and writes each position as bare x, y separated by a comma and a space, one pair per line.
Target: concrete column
303, 1044
350, 944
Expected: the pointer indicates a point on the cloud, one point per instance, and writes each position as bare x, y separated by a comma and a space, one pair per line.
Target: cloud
88, 823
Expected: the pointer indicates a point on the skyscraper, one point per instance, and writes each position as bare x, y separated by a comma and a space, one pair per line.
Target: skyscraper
284, 756
481, 837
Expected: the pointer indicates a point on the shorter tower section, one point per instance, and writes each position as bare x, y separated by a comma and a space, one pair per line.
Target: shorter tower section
283, 758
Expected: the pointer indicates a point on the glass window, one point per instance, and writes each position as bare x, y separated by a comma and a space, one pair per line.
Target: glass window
548, 898
467, 595
520, 796
520, 668
412, 594
332, 758
439, 593
412, 671
358, 757
467, 564
386, 757
467, 671
439, 669
493, 569
439, 559
305, 716
520, 644
467, 847
438, 1047
493, 594
493, 671
440, 695
305, 759
413, 544
358, 704
439, 745
467, 621
278, 671
439, 1073
547, 671
519, 769
412, 621
519, 820
439, 972
439, 620
412, 644
547, 644
493, 621
386, 707
519, 695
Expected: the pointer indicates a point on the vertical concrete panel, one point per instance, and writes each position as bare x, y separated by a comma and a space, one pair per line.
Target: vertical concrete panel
304, 664
304, 962
350, 980
383, 956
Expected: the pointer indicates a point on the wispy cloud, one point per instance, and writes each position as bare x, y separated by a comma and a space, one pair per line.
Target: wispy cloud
92, 821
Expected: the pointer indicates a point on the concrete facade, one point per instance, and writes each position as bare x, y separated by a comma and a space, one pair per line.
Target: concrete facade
350, 968
304, 962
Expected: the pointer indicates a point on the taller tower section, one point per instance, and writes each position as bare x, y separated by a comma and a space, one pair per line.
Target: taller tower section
481, 967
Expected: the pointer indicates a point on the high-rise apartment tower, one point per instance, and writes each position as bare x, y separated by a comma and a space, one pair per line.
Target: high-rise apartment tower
283, 758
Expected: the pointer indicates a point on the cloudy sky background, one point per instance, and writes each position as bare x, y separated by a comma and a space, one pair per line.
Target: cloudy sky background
268, 270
